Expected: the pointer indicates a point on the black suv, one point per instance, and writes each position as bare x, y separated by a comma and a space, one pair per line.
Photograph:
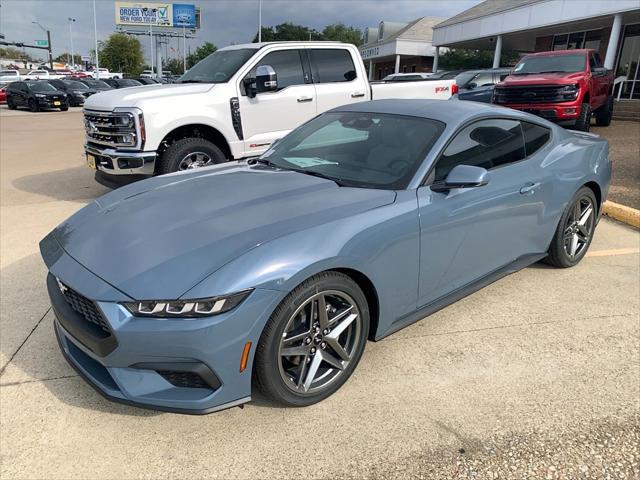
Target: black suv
35, 95
122, 82
97, 85
76, 91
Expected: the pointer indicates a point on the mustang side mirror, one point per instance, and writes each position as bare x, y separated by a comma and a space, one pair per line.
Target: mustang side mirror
463, 176
266, 79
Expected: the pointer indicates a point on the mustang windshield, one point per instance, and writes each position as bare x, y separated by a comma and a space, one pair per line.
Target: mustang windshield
218, 67
370, 150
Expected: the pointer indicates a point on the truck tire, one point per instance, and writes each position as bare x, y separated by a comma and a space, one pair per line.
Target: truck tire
189, 153
605, 113
583, 122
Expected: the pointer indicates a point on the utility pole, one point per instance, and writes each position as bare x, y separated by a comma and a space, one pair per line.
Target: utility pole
48, 43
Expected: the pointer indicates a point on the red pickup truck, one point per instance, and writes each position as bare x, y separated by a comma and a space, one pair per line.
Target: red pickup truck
564, 86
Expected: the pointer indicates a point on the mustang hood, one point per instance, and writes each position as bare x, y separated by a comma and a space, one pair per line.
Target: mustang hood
157, 238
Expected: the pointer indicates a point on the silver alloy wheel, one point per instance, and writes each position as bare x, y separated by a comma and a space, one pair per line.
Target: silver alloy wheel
579, 227
195, 160
319, 341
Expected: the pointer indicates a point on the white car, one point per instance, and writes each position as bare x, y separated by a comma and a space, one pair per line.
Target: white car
147, 74
233, 104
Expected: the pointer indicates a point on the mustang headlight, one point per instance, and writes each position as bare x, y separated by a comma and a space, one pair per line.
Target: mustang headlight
200, 307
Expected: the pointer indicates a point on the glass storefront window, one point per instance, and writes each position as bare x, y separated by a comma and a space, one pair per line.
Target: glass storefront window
571, 41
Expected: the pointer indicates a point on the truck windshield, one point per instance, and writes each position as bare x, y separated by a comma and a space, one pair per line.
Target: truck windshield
575, 62
218, 67
357, 149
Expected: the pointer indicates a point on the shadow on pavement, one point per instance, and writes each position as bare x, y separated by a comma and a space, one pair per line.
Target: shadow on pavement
70, 184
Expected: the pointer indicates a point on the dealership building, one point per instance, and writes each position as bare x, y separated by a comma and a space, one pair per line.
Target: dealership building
394, 47
611, 27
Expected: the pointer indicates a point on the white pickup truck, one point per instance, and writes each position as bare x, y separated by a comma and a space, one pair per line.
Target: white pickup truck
231, 105
104, 73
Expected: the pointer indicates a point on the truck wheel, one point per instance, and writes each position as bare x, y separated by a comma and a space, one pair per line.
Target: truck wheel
583, 123
605, 113
190, 153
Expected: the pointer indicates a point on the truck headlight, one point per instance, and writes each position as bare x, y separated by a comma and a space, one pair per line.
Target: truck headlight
569, 91
201, 307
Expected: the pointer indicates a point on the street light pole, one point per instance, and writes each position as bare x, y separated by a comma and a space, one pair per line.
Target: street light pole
73, 61
184, 49
259, 21
48, 43
95, 33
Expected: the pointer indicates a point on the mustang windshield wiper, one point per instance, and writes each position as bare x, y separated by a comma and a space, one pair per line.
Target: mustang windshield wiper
338, 181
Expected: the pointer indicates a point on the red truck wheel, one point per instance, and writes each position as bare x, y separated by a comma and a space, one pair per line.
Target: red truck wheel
605, 113
584, 120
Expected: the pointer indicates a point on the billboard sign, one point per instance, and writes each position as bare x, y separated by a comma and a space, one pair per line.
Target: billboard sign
156, 14
184, 15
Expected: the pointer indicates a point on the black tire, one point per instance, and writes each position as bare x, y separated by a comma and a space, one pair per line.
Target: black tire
583, 122
64, 108
33, 105
11, 105
267, 376
176, 153
605, 113
558, 255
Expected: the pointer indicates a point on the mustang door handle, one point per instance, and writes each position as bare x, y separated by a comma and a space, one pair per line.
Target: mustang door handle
357, 94
529, 188
304, 99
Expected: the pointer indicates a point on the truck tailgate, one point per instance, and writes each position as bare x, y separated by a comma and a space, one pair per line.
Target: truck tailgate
428, 89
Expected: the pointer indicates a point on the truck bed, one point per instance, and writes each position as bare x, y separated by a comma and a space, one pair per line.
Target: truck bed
430, 89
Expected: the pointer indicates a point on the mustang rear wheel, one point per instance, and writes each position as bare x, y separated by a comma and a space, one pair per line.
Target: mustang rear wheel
575, 230
313, 341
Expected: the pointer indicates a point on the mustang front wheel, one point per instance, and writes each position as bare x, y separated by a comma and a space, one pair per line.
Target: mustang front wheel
313, 341
575, 230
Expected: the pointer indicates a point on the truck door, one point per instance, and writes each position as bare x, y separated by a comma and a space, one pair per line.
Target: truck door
271, 115
336, 78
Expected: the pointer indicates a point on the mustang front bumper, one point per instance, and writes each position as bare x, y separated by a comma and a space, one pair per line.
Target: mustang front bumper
178, 365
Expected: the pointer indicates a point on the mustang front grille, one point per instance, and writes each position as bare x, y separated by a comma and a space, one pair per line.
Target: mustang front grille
84, 307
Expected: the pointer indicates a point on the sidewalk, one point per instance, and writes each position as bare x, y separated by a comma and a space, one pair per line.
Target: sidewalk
624, 145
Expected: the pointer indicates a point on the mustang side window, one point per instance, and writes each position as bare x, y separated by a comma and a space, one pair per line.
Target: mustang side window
535, 137
487, 144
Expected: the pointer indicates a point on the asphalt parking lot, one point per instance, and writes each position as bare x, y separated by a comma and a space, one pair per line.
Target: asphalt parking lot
535, 376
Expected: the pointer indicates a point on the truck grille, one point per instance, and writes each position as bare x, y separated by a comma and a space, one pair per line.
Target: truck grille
113, 129
534, 94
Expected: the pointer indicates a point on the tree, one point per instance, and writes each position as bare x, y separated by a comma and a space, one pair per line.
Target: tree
121, 53
203, 51
17, 54
66, 58
339, 32
288, 32
173, 65
463, 59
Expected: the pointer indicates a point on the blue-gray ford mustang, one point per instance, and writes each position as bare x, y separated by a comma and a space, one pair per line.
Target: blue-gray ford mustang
184, 291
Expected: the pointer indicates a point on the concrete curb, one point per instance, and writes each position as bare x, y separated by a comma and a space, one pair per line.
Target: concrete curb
622, 213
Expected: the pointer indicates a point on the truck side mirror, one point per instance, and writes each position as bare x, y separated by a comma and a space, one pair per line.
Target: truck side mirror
599, 71
266, 79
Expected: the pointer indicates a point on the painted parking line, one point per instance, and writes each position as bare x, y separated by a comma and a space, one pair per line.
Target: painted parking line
613, 252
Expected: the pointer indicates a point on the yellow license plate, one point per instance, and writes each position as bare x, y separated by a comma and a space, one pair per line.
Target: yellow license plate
57, 103
91, 161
